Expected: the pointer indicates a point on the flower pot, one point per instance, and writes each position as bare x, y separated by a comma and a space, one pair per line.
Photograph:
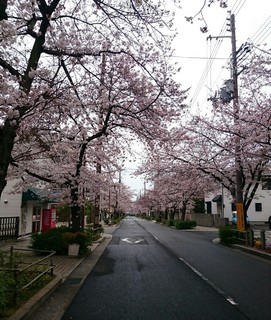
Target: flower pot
73, 249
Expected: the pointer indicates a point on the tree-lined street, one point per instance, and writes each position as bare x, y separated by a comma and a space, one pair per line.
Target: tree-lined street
149, 271
90, 86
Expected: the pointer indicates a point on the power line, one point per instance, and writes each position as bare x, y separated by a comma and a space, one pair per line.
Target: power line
262, 33
208, 65
238, 6
200, 58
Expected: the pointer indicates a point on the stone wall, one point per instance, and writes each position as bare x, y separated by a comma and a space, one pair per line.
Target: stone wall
209, 220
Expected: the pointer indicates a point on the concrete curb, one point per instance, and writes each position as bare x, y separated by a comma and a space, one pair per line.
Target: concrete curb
255, 252
250, 250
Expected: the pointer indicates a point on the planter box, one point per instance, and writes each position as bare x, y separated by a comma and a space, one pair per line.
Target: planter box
73, 249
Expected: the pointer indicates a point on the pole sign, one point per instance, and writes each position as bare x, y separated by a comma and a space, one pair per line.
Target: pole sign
240, 217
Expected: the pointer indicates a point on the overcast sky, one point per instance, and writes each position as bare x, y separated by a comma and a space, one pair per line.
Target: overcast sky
193, 50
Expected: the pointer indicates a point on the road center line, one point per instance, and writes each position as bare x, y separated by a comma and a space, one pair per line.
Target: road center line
210, 283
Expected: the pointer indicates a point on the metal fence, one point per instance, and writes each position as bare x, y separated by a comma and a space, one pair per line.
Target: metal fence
9, 228
30, 265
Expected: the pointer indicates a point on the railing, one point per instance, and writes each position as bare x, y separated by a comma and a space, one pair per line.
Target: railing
258, 238
263, 237
9, 228
34, 263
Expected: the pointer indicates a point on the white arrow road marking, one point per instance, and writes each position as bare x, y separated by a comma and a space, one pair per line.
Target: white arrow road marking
127, 240
138, 241
210, 283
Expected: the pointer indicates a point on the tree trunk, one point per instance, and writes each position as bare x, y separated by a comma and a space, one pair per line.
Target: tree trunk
183, 212
172, 214
76, 213
76, 218
7, 138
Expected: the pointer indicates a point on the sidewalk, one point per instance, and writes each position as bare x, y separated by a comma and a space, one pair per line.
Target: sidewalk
63, 264
64, 267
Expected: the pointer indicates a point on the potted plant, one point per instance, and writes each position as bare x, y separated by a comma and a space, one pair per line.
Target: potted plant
76, 242
257, 244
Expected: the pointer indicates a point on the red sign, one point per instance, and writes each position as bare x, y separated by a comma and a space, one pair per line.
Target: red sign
46, 219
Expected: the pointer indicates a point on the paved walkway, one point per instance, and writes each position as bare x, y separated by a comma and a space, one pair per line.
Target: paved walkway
63, 265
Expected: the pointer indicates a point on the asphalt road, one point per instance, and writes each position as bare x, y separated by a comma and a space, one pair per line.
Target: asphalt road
149, 271
243, 277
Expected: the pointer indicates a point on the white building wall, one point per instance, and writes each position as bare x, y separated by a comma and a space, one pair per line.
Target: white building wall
262, 197
10, 204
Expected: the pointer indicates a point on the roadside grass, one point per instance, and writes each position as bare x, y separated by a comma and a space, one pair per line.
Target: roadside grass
8, 306
20, 280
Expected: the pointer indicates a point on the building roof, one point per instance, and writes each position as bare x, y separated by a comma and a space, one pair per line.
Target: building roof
217, 198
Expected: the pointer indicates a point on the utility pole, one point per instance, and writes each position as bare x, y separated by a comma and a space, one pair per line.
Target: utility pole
241, 221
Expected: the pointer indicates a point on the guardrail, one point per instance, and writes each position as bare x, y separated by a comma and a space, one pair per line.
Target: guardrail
31, 261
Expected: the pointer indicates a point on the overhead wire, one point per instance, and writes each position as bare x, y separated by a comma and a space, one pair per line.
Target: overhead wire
263, 32
260, 35
238, 5
208, 65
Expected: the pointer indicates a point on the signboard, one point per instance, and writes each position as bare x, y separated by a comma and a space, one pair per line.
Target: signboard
240, 217
46, 219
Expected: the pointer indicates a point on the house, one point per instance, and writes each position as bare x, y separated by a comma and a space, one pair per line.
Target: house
222, 203
26, 212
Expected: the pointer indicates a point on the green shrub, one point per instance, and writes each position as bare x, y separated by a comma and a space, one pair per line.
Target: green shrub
170, 222
187, 224
58, 240
227, 234
82, 238
5, 282
51, 240
116, 220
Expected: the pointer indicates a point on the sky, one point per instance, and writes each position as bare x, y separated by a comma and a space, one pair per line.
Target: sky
203, 62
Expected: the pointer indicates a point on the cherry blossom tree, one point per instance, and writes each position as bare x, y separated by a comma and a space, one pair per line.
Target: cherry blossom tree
74, 77
208, 143
175, 185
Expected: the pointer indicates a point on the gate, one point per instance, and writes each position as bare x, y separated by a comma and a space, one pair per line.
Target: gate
9, 228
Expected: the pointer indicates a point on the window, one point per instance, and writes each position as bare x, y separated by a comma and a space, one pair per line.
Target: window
36, 212
258, 207
266, 183
208, 207
233, 207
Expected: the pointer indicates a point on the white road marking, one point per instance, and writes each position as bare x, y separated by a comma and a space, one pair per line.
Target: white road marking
210, 283
127, 240
138, 241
